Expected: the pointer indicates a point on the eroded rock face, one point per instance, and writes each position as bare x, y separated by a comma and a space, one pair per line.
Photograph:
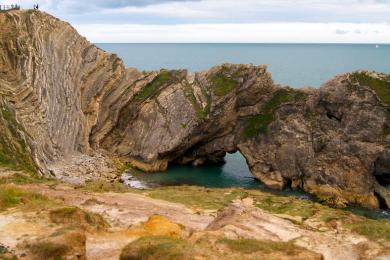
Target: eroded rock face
72, 101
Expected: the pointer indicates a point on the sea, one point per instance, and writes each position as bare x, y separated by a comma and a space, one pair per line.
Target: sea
294, 65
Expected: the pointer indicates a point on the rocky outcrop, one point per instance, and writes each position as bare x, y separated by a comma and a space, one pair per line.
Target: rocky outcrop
77, 106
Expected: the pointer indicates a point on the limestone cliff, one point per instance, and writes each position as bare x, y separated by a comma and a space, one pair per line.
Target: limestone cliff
75, 106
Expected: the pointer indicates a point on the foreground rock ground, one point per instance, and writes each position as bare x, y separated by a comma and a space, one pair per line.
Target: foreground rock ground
47, 219
73, 111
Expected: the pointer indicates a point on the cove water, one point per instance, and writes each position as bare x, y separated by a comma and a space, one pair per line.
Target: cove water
295, 65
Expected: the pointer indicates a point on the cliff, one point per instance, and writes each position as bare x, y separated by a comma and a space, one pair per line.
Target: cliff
68, 107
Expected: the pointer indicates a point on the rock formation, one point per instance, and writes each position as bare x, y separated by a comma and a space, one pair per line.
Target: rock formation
68, 107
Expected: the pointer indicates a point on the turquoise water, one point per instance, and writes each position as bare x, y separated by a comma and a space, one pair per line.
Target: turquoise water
234, 173
295, 65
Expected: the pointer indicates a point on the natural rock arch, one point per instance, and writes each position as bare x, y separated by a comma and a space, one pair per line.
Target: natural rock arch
75, 106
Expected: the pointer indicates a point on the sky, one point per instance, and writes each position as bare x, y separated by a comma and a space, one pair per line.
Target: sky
243, 21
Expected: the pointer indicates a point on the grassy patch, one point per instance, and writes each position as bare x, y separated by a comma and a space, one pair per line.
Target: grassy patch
13, 149
157, 247
286, 205
380, 86
222, 84
11, 196
21, 178
248, 246
259, 124
197, 197
78, 217
104, 186
372, 229
150, 89
281, 96
49, 250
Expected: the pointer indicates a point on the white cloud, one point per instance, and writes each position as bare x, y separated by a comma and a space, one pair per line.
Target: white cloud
241, 33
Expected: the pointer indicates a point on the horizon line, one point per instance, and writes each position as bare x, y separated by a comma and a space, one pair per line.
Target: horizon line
281, 43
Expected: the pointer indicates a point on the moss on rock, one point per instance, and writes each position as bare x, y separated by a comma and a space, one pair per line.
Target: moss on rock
14, 153
381, 85
222, 84
258, 124
164, 77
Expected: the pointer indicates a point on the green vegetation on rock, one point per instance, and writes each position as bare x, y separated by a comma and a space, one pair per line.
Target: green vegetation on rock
11, 196
49, 250
150, 89
258, 124
13, 148
201, 112
222, 84
197, 197
76, 216
26, 178
372, 229
285, 205
164, 247
381, 86
386, 131
115, 62
158, 247
248, 246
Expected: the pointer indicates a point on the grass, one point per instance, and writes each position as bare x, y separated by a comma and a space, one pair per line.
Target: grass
222, 84
286, 205
10, 196
259, 124
21, 178
380, 86
150, 89
163, 247
281, 96
49, 250
372, 229
158, 247
197, 197
248, 246
218, 198
76, 216
104, 186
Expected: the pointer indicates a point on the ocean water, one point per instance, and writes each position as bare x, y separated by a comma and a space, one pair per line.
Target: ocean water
296, 65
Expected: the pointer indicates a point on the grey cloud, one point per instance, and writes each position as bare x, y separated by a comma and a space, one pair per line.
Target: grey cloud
341, 32
77, 6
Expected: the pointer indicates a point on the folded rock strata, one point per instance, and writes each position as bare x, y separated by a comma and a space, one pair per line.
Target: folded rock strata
67, 107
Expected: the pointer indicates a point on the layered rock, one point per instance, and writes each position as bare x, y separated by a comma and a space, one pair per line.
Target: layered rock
76, 106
